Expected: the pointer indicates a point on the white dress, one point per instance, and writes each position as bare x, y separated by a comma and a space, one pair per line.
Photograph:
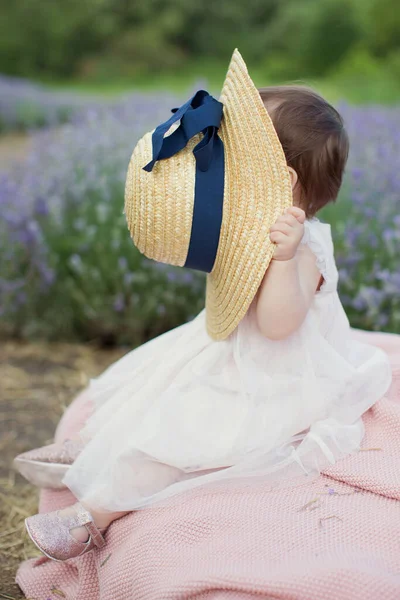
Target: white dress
183, 410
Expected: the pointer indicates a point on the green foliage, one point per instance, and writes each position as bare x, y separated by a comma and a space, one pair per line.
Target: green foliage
311, 37
384, 27
109, 39
365, 79
39, 36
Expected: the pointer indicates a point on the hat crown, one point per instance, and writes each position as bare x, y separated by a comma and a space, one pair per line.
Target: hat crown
202, 113
159, 205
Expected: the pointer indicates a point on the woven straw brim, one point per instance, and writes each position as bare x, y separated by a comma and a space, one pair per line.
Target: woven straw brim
257, 190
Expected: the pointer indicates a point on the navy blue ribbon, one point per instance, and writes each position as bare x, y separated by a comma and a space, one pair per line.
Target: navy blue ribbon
202, 113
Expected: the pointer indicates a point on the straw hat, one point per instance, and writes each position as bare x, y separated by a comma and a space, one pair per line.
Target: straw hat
202, 192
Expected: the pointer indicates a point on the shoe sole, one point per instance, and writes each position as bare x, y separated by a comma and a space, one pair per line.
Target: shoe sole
41, 474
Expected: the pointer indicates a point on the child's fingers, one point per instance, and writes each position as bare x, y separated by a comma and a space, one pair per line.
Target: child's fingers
297, 212
282, 227
287, 218
277, 237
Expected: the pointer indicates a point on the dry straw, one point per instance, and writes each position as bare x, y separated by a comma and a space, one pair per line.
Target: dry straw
257, 189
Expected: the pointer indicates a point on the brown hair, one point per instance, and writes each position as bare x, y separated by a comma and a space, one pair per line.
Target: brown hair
314, 141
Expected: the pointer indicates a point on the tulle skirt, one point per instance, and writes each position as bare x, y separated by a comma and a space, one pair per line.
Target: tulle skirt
183, 411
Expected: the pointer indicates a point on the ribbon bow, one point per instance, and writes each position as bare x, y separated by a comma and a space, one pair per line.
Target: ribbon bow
202, 113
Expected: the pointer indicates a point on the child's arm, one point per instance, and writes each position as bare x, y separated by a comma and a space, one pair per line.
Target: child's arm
290, 282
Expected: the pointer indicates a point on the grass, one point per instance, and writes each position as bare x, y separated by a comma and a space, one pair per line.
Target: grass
356, 88
37, 382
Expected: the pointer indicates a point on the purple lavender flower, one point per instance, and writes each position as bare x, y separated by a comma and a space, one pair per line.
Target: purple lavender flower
161, 310
119, 303
122, 263
172, 276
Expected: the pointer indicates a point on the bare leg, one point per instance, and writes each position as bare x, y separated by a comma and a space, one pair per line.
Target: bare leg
101, 519
104, 519
150, 477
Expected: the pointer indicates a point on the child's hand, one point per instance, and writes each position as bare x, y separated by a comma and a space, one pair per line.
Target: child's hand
287, 233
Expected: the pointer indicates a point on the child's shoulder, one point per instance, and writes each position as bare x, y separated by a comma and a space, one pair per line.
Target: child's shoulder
317, 230
316, 222
318, 237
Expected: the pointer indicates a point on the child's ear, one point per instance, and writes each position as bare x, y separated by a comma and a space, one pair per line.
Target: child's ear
293, 177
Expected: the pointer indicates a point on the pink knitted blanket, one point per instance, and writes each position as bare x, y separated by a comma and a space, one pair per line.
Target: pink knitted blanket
336, 538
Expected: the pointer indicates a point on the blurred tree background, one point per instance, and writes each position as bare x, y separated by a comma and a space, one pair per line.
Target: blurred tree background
109, 41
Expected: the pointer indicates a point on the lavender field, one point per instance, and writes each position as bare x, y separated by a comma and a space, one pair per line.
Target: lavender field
25, 105
70, 271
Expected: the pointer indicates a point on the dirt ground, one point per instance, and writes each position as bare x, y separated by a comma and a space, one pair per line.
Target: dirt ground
37, 382
13, 147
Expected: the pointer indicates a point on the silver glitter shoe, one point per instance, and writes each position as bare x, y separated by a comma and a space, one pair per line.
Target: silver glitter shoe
50, 532
46, 467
